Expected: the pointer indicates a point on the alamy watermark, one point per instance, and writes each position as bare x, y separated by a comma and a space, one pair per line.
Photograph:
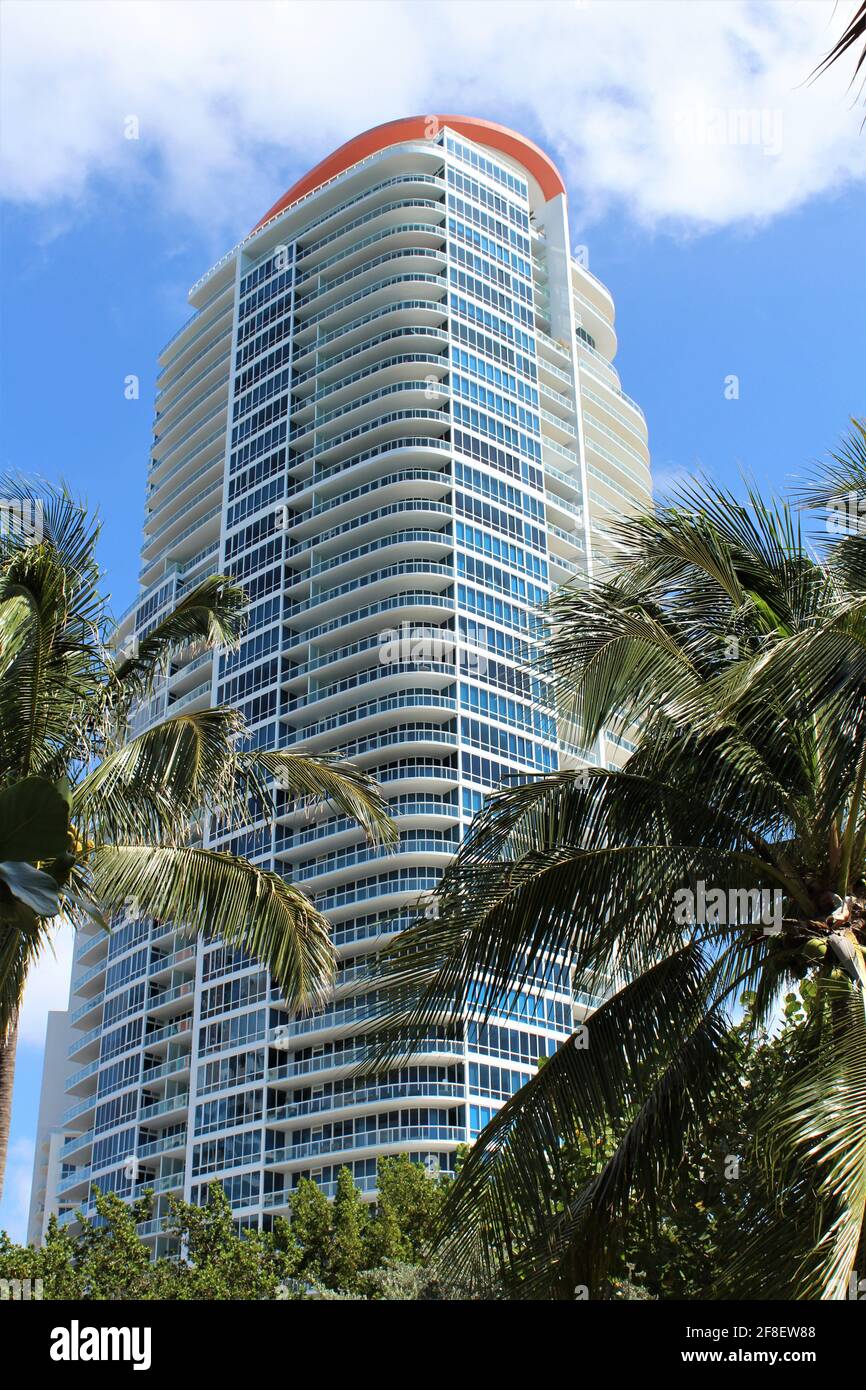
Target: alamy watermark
846, 514
22, 519
716, 126
429, 646
21, 1290
77, 1343
729, 907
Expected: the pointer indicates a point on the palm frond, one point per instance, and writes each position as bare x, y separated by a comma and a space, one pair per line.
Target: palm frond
578, 870
15, 628
313, 781
220, 896
642, 1065
842, 474
211, 614
152, 784
819, 1124
854, 33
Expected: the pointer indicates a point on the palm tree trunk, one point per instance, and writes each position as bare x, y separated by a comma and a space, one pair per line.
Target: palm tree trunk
7, 1077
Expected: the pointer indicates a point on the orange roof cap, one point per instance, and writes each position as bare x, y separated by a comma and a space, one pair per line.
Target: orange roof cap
497, 137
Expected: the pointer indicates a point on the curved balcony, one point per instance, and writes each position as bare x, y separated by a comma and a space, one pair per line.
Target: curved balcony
415, 849
395, 546
90, 1006
169, 1182
373, 525
557, 428
80, 1080
218, 326
172, 1107
359, 1100
333, 291
75, 1144
333, 372
329, 428
338, 454
207, 525
431, 773
333, 1066
202, 408
419, 221
386, 292
349, 658
381, 679
167, 406
89, 944
204, 480
184, 520
387, 371
384, 1141
168, 1144
415, 812
634, 462
424, 309
624, 476
331, 248
80, 1178
199, 695
366, 717
204, 320
421, 738
343, 219
77, 1111
162, 1003
280, 1200
87, 1045
345, 476
418, 605
364, 206
203, 361
377, 584
89, 977
175, 1067
426, 483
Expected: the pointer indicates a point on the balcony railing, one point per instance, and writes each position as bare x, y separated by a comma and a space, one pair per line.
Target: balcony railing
365, 1095
372, 1139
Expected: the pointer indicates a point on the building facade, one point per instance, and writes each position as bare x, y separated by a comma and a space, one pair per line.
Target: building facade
394, 419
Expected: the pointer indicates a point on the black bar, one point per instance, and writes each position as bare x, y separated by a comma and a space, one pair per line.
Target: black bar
281, 1336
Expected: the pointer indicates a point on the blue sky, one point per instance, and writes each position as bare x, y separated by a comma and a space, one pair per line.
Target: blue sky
724, 257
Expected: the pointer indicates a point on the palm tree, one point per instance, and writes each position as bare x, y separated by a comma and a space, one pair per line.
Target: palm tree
91, 815
739, 651
852, 37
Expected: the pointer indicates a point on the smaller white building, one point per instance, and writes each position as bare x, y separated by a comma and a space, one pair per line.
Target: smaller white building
50, 1134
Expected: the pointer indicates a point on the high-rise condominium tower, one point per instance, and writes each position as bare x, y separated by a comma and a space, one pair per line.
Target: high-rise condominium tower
393, 418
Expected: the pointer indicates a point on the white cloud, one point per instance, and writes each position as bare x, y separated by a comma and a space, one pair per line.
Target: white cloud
644, 103
47, 986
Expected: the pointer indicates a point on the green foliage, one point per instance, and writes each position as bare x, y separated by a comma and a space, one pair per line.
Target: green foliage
111, 1261
34, 820
343, 1243
343, 1248
348, 1234
218, 1262
685, 1248
311, 1227
106, 1261
398, 1281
